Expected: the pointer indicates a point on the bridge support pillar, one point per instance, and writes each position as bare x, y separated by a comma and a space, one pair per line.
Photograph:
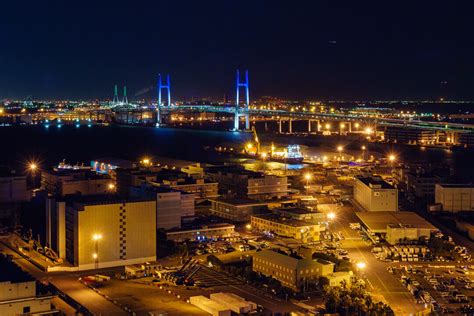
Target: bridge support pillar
236, 121
309, 126
245, 85
290, 127
160, 87
279, 126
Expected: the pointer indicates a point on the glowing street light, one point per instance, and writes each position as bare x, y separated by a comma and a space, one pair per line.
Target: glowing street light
111, 187
249, 146
307, 177
356, 125
331, 216
328, 126
32, 166
392, 158
248, 226
361, 265
369, 130
339, 148
264, 156
97, 237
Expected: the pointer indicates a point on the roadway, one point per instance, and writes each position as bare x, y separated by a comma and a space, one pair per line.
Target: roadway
303, 115
382, 285
67, 283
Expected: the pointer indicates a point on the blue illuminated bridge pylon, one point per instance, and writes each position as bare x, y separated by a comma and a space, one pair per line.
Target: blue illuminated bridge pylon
238, 112
161, 86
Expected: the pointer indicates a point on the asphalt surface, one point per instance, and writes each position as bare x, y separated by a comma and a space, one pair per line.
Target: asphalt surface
69, 284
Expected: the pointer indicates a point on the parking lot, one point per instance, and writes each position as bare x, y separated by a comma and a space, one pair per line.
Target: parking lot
447, 288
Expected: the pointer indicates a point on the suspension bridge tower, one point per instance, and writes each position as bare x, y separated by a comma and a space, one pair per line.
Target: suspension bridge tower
160, 87
245, 113
116, 98
125, 99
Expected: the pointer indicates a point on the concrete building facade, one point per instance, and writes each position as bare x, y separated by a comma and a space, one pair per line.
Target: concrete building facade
13, 187
249, 184
455, 197
375, 195
62, 182
126, 228
18, 293
237, 210
203, 233
292, 271
286, 227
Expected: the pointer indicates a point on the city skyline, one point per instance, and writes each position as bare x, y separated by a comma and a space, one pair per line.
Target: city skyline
310, 51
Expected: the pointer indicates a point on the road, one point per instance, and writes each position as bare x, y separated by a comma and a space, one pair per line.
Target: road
382, 284
69, 284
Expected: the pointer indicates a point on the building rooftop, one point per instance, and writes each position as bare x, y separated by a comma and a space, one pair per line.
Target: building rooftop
201, 227
234, 169
377, 222
282, 220
240, 201
295, 210
77, 174
374, 182
106, 199
11, 272
289, 261
457, 185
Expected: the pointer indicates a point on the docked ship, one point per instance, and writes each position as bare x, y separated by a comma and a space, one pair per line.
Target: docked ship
290, 154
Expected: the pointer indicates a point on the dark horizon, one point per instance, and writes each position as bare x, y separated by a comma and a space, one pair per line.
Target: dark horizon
371, 51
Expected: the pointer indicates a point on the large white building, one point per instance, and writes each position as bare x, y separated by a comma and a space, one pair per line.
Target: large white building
171, 205
455, 197
248, 184
375, 195
18, 294
103, 231
13, 187
63, 181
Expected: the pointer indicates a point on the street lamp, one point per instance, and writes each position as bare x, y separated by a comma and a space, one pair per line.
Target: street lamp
341, 127
328, 126
33, 166
248, 226
307, 177
363, 151
339, 149
331, 216
96, 238
356, 125
361, 265
392, 158
111, 187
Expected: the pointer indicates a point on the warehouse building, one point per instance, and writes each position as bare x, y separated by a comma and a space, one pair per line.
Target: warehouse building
455, 197
375, 195
286, 227
292, 271
395, 226
106, 231
202, 233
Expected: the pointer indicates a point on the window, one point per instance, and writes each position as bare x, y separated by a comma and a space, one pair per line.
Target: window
26, 309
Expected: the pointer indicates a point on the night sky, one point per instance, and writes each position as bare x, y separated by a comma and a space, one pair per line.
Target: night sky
293, 49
